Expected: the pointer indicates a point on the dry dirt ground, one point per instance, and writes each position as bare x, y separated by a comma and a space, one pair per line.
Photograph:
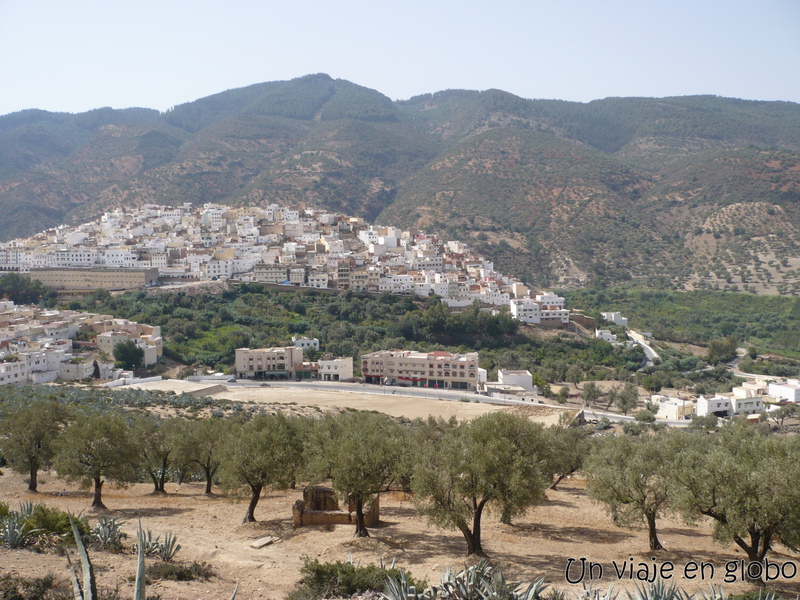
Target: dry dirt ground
210, 529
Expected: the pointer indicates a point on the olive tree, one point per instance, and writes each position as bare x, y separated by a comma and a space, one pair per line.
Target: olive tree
29, 430
264, 451
361, 453
96, 446
498, 461
569, 447
627, 398
745, 480
198, 446
631, 477
154, 443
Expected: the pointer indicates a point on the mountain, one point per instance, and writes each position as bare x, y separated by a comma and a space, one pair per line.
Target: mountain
688, 192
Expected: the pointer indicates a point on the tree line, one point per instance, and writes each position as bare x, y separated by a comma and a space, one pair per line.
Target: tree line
743, 478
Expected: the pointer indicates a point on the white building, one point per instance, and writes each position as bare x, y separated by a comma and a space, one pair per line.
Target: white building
747, 406
616, 318
526, 310
718, 405
605, 335
673, 409
305, 343
336, 369
788, 390
521, 378
13, 370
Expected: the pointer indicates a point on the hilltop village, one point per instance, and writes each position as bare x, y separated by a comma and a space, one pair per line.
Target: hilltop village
303, 247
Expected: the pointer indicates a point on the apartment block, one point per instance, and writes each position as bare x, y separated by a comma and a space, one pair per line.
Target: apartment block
439, 369
269, 363
90, 279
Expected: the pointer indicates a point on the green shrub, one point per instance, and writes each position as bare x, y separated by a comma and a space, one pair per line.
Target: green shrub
52, 520
343, 579
179, 572
13, 587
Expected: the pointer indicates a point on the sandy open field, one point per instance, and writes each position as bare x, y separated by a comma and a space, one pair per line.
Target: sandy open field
210, 529
392, 404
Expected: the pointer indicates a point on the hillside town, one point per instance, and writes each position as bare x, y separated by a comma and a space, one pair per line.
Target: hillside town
303, 247
140, 248
39, 345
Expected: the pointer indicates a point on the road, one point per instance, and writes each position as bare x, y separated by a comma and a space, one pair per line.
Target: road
650, 355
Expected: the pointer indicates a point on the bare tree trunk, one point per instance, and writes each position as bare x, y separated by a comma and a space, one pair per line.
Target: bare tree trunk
361, 528
209, 478
476, 528
163, 475
98, 491
469, 537
33, 482
249, 517
652, 533
155, 481
473, 537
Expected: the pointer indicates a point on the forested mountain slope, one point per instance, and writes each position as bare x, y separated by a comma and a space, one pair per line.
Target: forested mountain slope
694, 191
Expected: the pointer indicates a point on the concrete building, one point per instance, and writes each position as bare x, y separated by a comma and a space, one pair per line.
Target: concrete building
521, 378
90, 279
747, 406
305, 343
336, 369
526, 310
616, 318
13, 370
605, 335
787, 390
673, 409
718, 405
530, 310
419, 369
265, 273
269, 363
150, 345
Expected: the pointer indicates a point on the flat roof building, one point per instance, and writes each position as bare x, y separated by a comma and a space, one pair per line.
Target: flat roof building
438, 369
78, 279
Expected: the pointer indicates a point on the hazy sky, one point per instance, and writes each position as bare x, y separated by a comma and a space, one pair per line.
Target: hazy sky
77, 55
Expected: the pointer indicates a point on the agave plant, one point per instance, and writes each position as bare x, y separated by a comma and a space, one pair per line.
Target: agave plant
590, 593
481, 581
87, 590
150, 545
659, 590
108, 535
26, 509
169, 547
14, 531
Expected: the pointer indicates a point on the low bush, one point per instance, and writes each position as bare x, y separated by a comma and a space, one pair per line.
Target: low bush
55, 521
342, 579
13, 587
179, 572
37, 526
